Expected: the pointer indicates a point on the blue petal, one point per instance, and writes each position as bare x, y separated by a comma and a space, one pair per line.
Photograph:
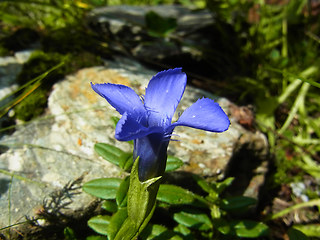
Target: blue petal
163, 95
131, 126
122, 98
204, 114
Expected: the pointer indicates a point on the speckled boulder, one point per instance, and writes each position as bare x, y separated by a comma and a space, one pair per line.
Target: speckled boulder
44, 155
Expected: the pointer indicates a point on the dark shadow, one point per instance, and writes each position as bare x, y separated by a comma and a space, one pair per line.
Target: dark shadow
4, 185
242, 167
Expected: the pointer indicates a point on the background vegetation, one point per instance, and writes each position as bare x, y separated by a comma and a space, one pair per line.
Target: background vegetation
278, 73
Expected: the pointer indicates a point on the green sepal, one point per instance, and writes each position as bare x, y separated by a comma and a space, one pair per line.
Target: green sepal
122, 193
116, 222
126, 161
141, 196
141, 204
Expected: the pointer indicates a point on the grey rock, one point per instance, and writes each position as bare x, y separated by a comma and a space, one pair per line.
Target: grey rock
120, 16
126, 30
10, 67
44, 155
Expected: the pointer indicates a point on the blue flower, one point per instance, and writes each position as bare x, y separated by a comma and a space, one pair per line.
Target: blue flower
148, 121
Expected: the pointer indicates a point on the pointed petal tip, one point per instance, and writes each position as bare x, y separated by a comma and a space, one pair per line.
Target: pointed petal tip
204, 114
163, 95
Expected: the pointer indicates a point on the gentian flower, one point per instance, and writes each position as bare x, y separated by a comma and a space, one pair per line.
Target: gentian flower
148, 120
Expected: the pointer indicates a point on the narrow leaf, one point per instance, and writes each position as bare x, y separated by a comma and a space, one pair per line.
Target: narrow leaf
193, 219
105, 188
175, 195
310, 230
110, 206
173, 163
236, 203
243, 228
125, 161
96, 238
203, 184
295, 234
108, 152
221, 186
154, 231
251, 229
99, 224
69, 234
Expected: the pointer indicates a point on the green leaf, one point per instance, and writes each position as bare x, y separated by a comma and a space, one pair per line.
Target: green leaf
183, 230
194, 219
173, 163
69, 234
237, 203
141, 204
310, 230
128, 164
251, 229
105, 188
141, 197
116, 222
158, 232
176, 195
110, 206
96, 238
121, 197
159, 26
108, 152
243, 228
203, 184
295, 234
221, 186
99, 224
126, 161
115, 120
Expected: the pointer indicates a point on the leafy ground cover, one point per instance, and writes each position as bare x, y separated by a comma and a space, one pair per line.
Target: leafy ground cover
277, 46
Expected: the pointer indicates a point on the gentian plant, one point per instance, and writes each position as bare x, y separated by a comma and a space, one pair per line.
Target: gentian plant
147, 120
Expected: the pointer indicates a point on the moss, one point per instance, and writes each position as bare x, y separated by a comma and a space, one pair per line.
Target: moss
73, 39
39, 63
32, 106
